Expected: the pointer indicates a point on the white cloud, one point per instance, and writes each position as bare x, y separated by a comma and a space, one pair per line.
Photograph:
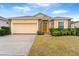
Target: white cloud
22, 8
43, 4
59, 11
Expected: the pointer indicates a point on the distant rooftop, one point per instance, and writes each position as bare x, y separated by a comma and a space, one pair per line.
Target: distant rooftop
2, 18
74, 22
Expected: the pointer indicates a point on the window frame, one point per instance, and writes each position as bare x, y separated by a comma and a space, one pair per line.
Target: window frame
60, 24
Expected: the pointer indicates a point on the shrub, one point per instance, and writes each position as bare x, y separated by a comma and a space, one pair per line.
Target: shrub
73, 29
7, 30
69, 29
77, 33
73, 33
69, 33
56, 33
51, 30
2, 32
40, 33
77, 29
55, 29
60, 31
63, 32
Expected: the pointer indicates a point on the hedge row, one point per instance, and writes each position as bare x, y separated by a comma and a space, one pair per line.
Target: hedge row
4, 31
64, 32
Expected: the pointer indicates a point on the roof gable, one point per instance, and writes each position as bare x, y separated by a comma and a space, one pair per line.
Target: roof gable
41, 15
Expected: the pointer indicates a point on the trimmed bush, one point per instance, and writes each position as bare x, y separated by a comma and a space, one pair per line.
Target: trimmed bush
77, 33
62, 32
7, 30
59, 29
40, 33
77, 29
56, 33
2, 32
51, 31
73, 31
69, 33
69, 29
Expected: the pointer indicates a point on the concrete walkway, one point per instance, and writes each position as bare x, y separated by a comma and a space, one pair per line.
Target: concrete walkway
16, 45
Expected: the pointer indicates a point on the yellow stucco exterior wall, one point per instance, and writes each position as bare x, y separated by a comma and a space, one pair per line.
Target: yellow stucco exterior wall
65, 23
56, 23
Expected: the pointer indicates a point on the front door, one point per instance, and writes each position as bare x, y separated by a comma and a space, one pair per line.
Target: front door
44, 26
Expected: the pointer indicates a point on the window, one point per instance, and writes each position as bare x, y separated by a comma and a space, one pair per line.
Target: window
60, 24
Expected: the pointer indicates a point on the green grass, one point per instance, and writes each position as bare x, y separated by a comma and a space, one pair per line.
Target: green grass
55, 46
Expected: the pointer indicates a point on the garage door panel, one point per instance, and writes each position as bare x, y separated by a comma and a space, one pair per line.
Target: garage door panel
25, 27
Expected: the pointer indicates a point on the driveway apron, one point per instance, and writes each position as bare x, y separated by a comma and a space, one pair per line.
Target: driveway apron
16, 45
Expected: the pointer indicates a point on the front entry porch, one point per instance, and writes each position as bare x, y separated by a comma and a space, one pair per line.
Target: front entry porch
43, 25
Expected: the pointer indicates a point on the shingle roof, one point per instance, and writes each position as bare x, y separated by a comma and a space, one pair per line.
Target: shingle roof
27, 17
23, 17
61, 18
32, 17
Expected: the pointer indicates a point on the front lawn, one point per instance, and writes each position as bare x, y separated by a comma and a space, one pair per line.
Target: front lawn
55, 46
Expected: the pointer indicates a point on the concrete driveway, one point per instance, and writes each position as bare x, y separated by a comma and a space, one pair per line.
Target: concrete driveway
16, 45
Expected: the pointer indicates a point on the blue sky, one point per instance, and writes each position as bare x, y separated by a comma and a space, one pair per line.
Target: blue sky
51, 9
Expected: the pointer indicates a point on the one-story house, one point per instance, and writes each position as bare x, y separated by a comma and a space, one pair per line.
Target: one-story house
40, 21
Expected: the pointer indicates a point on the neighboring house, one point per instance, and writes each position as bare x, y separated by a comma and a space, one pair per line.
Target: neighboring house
75, 24
3, 21
40, 21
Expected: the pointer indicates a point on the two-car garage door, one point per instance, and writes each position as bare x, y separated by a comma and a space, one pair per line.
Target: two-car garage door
25, 28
